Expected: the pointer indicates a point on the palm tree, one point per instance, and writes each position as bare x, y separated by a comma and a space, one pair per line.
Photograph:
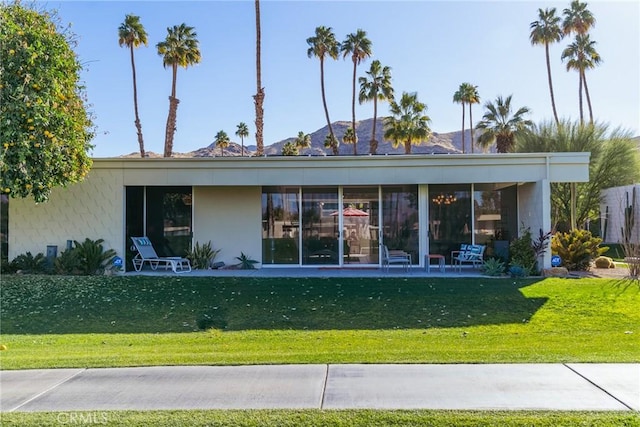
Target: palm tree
180, 48
323, 44
577, 19
289, 149
546, 30
242, 131
408, 124
303, 140
331, 142
581, 55
500, 126
376, 88
350, 137
132, 34
358, 46
222, 141
258, 98
458, 99
470, 96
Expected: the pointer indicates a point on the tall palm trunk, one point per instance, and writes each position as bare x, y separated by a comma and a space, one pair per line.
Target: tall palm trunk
135, 105
373, 144
353, 110
553, 100
580, 98
586, 91
259, 96
407, 146
463, 147
326, 110
503, 143
471, 127
171, 118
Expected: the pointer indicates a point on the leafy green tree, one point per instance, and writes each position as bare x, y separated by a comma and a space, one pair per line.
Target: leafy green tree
303, 140
614, 161
350, 137
500, 125
358, 46
321, 45
242, 131
132, 34
545, 31
377, 87
289, 149
222, 140
258, 98
179, 49
581, 55
408, 123
45, 127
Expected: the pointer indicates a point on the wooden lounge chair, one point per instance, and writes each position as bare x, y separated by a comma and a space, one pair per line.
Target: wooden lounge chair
147, 254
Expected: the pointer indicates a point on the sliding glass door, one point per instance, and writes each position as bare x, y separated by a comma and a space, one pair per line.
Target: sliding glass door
360, 231
320, 226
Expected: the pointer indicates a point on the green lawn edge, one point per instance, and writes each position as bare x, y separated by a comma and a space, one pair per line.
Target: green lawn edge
319, 418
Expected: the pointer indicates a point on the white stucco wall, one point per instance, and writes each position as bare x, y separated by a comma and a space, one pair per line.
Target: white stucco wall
534, 211
92, 209
231, 218
615, 199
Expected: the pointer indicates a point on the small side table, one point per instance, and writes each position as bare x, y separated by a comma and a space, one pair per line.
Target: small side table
427, 262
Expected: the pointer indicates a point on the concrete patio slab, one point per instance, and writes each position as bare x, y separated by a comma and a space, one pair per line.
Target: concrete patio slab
187, 387
621, 380
509, 386
20, 387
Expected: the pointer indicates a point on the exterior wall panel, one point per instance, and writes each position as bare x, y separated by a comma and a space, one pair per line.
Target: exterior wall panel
93, 209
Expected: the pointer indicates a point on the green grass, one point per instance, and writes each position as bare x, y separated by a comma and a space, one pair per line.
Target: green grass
355, 418
52, 321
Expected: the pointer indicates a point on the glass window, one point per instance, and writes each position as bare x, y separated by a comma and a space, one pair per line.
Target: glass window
495, 221
280, 225
320, 236
360, 214
450, 220
400, 219
169, 219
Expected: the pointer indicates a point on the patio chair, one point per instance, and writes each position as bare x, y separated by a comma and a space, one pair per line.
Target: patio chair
147, 254
472, 254
395, 257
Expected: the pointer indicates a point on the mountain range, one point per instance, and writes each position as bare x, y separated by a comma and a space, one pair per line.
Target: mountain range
439, 143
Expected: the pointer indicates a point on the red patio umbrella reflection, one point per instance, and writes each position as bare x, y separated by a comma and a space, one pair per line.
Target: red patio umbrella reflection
351, 211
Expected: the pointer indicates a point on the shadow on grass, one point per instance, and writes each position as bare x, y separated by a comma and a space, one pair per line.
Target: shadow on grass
59, 305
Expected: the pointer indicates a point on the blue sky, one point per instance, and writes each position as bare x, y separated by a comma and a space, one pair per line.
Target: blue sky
431, 46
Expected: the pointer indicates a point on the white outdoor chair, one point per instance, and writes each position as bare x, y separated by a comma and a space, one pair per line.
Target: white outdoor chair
395, 258
147, 254
473, 254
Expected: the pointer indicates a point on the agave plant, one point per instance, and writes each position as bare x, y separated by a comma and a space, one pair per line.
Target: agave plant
201, 256
246, 263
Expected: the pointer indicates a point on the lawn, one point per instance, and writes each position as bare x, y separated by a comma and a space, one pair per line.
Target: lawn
53, 321
317, 418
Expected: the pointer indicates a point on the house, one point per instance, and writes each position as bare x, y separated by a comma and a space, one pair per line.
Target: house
301, 211
615, 203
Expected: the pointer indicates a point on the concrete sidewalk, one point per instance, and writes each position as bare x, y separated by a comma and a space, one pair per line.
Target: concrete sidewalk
502, 387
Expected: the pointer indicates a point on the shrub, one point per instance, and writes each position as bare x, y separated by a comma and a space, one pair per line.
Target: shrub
93, 257
27, 263
493, 267
68, 262
201, 256
521, 251
604, 262
246, 263
518, 271
577, 248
